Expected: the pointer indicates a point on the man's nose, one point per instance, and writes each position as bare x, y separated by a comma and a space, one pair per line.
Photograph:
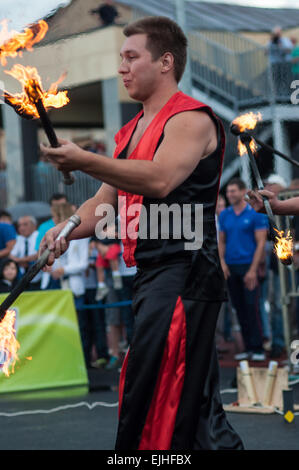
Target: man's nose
123, 67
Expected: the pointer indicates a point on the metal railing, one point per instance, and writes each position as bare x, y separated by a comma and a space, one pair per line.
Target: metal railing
3, 189
47, 180
238, 75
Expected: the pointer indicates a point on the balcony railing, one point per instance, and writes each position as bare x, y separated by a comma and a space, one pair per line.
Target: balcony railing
237, 75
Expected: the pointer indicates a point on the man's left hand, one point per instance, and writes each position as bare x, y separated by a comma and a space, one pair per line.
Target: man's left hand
67, 157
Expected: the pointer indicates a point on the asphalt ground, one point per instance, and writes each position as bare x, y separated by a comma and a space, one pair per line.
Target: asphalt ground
80, 428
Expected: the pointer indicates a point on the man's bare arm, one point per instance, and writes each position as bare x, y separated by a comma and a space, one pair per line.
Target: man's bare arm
87, 211
188, 137
287, 207
6, 251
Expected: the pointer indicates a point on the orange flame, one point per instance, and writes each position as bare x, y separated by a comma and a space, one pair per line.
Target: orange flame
247, 122
33, 91
12, 43
284, 246
9, 345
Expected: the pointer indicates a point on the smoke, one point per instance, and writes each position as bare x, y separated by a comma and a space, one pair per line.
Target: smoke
20, 13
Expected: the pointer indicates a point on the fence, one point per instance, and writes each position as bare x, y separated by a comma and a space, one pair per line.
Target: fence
3, 189
47, 180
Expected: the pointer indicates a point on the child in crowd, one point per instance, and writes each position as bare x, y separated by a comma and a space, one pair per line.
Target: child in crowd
108, 256
8, 275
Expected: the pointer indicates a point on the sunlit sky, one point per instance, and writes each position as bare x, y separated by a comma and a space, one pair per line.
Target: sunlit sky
23, 12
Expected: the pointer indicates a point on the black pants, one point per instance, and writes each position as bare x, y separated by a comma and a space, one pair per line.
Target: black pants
169, 384
93, 328
246, 303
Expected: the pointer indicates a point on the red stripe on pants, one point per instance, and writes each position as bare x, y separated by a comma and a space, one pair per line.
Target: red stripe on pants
159, 426
122, 382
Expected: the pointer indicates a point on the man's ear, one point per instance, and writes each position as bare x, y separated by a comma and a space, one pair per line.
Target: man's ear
167, 61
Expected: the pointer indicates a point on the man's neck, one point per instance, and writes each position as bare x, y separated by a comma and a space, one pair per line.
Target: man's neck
239, 207
155, 103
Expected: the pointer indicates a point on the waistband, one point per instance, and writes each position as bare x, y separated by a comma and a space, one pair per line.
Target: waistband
174, 259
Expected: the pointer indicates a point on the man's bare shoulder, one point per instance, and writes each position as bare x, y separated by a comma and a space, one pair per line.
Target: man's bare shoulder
193, 121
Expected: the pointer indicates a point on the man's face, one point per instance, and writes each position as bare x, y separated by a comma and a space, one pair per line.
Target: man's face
5, 219
26, 227
221, 204
139, 72
234, 194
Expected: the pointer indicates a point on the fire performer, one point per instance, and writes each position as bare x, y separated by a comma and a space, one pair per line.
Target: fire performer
171, 153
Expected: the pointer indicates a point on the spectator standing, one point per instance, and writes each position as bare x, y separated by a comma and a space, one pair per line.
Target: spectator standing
69, 270
295, 58
7, 239
107, 12
8, 275
95, 318
108, 258
24, 252
5, 217
55, 200
279, 49
242, 240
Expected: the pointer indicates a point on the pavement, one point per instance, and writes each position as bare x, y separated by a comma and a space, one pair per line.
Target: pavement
72, 427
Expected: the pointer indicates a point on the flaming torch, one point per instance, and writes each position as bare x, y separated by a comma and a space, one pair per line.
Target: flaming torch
8, 343
33, 102
239, 127
13, 43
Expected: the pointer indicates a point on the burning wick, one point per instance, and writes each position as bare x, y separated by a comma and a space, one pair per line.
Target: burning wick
9, 345
239, 127
242, 124
284, 247
33, 102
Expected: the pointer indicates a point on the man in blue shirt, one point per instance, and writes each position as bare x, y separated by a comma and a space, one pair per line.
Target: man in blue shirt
56, 199
7, 239
242, 238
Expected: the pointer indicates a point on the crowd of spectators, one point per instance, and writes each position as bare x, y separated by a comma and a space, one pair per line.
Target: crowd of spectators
250, 266
87, 265
95, 272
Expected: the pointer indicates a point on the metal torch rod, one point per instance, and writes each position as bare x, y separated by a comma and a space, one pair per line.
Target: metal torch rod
48, 127
277, 152
73, 222
246, 141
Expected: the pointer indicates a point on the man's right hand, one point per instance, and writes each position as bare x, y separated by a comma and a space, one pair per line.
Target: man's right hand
225, 270
57, 247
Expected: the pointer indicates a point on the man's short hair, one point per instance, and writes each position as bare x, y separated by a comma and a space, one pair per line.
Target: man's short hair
30, 217
4, 213
163, 35
240, 183
57, 197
